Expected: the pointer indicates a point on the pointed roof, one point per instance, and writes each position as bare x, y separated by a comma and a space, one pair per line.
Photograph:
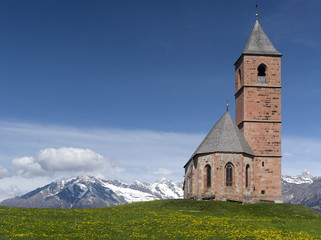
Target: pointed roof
258, 43
225, 136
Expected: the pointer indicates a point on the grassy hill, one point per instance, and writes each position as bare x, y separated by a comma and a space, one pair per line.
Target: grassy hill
164, 219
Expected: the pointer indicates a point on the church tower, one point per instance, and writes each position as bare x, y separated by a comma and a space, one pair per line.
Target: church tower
258, 111
241, 161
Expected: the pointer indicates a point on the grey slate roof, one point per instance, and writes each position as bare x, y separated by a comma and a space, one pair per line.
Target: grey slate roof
259, 43
225, 136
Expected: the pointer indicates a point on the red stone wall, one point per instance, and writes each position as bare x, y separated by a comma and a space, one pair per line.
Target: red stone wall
189, 181
239, 107
263, 137
218, 187
262, 104
202, 162
267, 177
253, 100
248, 66
258, 115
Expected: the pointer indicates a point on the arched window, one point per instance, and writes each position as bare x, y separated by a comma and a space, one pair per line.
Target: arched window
208, 175
229, 174
247, 175
240, 76
261, 73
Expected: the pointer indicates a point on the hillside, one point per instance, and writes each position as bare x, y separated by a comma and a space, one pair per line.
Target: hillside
164, 219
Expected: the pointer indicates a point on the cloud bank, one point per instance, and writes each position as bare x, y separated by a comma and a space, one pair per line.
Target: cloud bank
9, 192
163, 171
31, 150
49, 161
3, 172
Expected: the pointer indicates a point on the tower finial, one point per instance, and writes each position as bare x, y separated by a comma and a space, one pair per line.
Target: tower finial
256, 9
227, 105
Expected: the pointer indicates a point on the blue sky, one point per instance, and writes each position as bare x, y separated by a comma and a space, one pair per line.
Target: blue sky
140, 83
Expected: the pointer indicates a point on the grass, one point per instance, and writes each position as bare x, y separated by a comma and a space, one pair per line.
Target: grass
164, 219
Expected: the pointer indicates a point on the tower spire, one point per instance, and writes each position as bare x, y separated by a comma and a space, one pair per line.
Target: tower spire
259, 43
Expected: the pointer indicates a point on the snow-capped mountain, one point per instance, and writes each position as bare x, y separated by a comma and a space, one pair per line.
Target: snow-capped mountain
304, 177
91, 192
302, 189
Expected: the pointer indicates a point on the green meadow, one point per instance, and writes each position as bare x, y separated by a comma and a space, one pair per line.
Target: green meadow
164, 219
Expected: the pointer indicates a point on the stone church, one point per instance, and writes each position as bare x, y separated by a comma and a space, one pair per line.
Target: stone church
241, 160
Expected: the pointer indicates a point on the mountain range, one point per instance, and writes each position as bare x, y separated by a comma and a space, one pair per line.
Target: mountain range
91, 192
302, 189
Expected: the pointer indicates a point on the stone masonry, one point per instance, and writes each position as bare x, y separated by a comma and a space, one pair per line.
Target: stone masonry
258, 115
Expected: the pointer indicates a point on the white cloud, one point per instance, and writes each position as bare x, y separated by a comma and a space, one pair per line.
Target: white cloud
49, 161
119, 170
9, 192
126, 155
163, 171
16, 185
140, 152
27, 167
3, 172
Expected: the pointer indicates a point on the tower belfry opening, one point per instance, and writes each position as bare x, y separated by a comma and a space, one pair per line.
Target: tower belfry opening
261, 73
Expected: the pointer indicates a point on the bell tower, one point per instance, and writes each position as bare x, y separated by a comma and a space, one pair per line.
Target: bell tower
258, 111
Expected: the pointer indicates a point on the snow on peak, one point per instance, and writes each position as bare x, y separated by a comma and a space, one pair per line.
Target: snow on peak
139, 183
304, 177
167, 188
89, 192
306, 174
86, 179
163, 181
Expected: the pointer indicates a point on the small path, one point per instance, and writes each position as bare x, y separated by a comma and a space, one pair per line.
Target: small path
189, 211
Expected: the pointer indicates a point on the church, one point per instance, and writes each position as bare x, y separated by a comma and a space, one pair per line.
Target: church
241, 160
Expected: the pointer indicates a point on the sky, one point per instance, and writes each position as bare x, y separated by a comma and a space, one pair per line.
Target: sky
127, 90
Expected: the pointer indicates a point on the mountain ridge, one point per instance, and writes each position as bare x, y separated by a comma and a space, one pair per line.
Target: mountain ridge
302, 189
91, 192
